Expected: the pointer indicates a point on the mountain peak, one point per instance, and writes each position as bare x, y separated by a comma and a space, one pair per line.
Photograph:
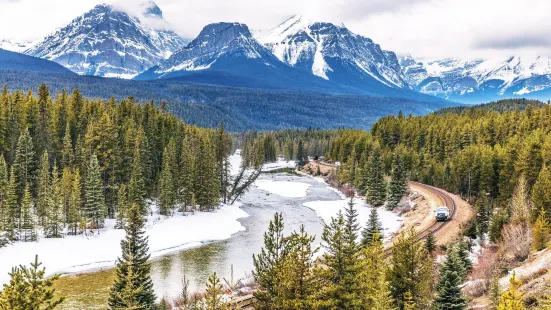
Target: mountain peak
151, 8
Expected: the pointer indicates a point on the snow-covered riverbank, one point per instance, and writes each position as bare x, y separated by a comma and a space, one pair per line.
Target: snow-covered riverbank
82, 253
391, 222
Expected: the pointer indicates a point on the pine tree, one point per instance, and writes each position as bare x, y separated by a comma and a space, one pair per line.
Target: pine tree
375, 182
268, 262
43, 187
482, 221
494, 289
463, 254
398, 183
12, 208
340, 286
541, 192
296, 273
214, 292
4, 208
136, 187
373, 228
67, 154
167, 194
122, 203
27, 225
374, 287
29, 289
411, 271
24, 162
409, 302
511, 299
206, 183
133, 282
449, 287
540, 232
94, 203
430, 243
187, 174
300, 153
54, 213
75, 204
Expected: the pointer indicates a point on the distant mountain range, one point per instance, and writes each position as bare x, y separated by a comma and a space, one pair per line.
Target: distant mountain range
476, 81
297, 55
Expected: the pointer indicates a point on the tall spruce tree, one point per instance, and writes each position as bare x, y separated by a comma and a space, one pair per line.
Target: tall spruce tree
27, 225
12, 207
540, 232
296, 273
206, 182
449, 286
411, 271
136, 187
43, 184
75, 204
268, 262
398, 183
187, 174
133, 282
94, 199
4, 208
372, 228
67, 154
167, 193
541, 192
24, 162
430, 243
122, 204
372, 277
54, 214
375, 181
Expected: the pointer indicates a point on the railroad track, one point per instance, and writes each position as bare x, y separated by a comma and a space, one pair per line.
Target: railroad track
446, 200
247, 302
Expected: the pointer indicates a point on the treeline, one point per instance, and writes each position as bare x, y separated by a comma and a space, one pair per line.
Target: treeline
497, 106
68, 162
290, 144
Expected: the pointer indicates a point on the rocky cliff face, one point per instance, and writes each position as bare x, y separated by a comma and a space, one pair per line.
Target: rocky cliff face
111, 43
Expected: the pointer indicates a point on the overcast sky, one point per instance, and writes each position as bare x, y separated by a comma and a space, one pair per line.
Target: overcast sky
423, 28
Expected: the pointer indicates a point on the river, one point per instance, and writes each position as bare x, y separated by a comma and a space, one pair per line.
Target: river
198, 263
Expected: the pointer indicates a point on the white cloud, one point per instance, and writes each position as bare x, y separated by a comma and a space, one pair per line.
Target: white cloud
424, 28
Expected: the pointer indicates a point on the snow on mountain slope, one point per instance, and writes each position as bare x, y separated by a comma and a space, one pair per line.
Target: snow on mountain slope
333, 53
15, 46
488, 79
108, 42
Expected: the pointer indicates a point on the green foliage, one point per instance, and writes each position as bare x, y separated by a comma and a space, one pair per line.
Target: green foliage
411, 272
94, 202
373, 229
213, 296
430, 243
511, 299
449, 286
375, 181
398, 183
540, 232
29, 289
133, 286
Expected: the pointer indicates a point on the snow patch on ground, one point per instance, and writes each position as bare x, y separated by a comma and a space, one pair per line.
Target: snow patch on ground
279, 164
327, 209
84, 253
284, 188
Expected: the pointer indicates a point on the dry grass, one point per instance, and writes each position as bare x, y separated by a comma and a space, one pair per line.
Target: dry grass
85, 291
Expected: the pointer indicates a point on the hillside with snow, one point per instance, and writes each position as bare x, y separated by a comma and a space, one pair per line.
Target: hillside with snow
475, 81
110, 43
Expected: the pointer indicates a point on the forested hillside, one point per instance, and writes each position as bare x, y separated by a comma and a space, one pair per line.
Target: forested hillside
68, 162
240, 108
498, 106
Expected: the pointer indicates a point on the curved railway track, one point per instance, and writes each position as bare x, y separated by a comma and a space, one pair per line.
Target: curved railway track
446, 200
247, 302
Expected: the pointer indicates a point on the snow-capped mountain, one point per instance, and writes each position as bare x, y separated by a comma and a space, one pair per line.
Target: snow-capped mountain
109, 42
475, 81
15, 46
334, 53
216, 43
